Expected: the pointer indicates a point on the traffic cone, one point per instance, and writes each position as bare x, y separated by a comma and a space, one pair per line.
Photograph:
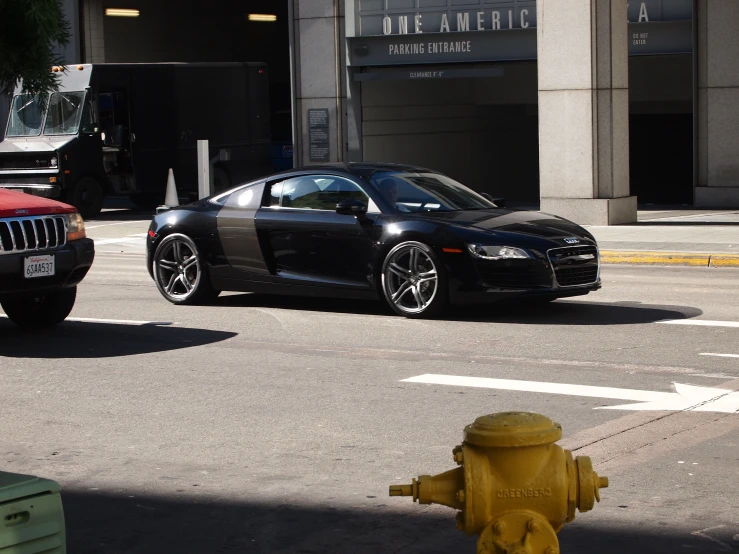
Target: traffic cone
171, 200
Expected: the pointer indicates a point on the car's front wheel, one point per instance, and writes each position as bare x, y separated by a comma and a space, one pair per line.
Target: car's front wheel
413, 280
41, 311
181, 273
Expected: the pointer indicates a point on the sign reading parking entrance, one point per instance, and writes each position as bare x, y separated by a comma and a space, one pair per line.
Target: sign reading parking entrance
318, 135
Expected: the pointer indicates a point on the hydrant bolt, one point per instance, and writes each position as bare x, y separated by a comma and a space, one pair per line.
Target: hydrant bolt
458, 454
532, 526
460, 495
499, 528
551, 550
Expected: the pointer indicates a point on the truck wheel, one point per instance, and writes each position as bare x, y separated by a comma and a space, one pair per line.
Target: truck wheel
41, 311
87, 196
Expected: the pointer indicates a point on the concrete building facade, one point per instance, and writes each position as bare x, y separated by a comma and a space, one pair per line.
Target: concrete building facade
586, 107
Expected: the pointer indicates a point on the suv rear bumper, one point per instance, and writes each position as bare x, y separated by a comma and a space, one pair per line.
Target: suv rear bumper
72, 262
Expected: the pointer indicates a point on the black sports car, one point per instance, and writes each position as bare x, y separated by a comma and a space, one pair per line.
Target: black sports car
408, 235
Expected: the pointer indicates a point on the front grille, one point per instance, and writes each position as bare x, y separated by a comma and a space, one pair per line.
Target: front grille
32, 234
25, 163
496, 275
575, 266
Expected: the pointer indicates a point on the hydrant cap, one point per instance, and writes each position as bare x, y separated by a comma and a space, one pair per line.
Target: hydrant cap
510, 429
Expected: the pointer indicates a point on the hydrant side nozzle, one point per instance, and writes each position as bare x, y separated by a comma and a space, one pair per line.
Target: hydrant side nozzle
401, 490
405, 490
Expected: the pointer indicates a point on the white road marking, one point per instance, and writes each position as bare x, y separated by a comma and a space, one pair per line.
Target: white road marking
700, 322
130, 238
112, 321
88, 227
685, 397
719, 355
702, 533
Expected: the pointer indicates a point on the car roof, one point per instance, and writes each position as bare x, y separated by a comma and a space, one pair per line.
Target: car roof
358, 169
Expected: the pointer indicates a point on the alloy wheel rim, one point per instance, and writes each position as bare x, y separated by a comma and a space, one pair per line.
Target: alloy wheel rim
411, 279
178, 270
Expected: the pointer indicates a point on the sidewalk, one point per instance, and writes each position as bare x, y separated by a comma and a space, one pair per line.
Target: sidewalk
673, 237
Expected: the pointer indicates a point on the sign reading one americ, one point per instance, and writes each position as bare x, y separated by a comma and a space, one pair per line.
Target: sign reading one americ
402, 17
318, 141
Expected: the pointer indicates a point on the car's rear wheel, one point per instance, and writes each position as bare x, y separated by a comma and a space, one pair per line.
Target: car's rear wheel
41, 311
413, 280
180, 272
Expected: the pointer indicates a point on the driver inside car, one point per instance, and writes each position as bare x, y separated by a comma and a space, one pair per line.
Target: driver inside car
389, 190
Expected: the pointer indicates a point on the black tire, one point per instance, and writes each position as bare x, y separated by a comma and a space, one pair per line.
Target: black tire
181, 273
87, 196
41, 311
419, 290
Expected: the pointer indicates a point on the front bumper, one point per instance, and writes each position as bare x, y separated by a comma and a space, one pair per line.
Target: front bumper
559, 272
72, 262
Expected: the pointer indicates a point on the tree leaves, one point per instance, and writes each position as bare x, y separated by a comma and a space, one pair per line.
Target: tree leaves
31, 32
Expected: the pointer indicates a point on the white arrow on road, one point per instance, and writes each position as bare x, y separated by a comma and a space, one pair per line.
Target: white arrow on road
685, 397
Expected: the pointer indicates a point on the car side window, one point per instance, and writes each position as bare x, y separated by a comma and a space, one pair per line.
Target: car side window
315, 192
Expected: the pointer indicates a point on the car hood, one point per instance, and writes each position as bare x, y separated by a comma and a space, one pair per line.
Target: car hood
508, 224
15, 145
19, 204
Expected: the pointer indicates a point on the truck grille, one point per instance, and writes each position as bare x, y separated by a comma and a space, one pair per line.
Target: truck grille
33, 233
25, 163
575, 266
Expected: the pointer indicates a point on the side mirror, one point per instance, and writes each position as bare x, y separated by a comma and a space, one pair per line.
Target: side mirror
500, 202
351, 207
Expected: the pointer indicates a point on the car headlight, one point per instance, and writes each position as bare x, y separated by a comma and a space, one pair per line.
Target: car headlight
497, 252
53, 162
75, 227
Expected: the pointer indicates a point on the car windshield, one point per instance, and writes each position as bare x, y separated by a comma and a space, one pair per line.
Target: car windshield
64, 113
427, 192
26, 116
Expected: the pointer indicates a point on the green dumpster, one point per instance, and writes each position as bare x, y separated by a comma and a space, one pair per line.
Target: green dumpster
31, 515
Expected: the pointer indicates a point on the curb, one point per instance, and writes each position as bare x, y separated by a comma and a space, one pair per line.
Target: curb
669, 258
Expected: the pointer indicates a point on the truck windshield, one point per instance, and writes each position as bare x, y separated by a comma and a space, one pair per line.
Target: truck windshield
64, 113
26, 116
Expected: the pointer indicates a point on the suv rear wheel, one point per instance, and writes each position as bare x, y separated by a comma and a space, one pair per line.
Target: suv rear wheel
41, 311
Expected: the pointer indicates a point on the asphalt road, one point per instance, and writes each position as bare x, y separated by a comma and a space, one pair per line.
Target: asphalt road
274, 424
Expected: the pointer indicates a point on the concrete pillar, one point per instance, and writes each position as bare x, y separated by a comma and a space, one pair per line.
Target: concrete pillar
718, 104
92, 31
584, 110
320, 76
70, 54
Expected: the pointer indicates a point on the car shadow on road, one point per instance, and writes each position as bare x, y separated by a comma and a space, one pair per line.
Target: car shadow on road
567, 312
131, 523
74, 339
560, 312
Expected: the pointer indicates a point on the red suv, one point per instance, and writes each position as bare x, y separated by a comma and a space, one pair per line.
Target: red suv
44, 254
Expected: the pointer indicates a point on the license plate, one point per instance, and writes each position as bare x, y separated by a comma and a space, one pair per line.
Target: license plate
39, 266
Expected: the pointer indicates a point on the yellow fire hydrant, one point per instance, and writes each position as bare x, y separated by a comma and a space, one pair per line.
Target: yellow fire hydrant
514, 487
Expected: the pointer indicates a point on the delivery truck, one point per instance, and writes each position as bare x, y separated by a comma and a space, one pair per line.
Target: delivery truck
116, 129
